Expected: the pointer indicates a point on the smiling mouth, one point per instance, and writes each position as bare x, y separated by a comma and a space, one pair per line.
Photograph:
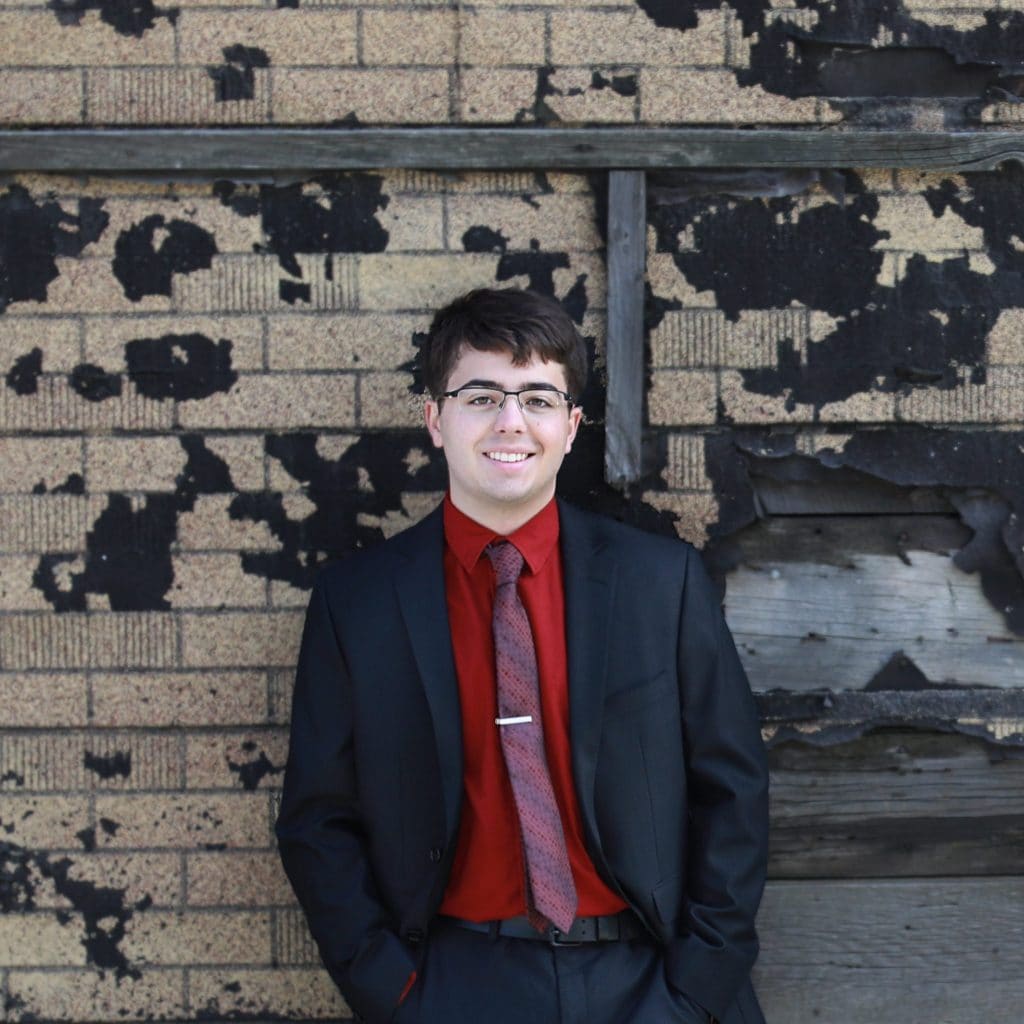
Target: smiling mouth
508, 456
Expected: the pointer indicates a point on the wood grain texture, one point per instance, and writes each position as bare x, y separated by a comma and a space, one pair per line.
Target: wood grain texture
825, 602
240, 150
936, 951
896, 804
624, 349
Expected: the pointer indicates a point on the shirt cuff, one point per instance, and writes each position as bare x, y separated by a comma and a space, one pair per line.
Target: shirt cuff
408, 986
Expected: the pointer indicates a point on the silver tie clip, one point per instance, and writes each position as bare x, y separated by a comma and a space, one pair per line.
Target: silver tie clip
514, 721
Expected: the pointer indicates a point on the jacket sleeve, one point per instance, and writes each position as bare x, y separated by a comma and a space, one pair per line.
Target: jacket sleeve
727, 792
320, 835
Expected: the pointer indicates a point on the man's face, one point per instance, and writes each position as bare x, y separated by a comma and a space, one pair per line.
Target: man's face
501, 465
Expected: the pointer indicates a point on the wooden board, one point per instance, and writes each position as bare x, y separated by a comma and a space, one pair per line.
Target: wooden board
896, 804
825, 603
624, 348
892, 952
640, 148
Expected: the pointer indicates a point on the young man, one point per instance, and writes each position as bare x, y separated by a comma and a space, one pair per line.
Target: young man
526, 782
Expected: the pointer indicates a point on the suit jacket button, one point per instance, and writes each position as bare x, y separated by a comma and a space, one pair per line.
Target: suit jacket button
435, 854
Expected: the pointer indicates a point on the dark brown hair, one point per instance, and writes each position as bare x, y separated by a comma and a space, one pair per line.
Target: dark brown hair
521, 323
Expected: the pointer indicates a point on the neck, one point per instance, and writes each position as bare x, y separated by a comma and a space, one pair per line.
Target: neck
502, 521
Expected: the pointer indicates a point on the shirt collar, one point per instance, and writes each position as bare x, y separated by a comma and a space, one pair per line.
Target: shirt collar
535, 539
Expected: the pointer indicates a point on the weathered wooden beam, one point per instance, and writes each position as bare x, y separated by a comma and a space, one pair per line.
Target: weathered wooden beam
240, 150
825, 717
913, 951
896, 803
624, 347
826, 602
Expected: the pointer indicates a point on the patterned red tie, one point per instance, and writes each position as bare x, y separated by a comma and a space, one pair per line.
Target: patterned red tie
551, 894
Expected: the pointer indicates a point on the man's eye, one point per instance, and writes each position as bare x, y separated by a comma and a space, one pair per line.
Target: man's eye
476, 398
540, 400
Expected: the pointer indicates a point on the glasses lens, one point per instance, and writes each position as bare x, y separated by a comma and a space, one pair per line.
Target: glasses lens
480, 399
540, 402
537, 402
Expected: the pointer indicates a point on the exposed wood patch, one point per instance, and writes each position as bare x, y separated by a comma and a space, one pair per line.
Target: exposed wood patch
919, 951
896, 803
826, 602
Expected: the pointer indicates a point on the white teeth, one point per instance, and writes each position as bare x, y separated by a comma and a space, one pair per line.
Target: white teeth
508, 456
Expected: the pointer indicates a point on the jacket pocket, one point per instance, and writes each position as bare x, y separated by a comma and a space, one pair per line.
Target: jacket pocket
665, 896
633, 698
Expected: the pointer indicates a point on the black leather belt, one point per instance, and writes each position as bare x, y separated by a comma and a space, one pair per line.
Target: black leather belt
605, 928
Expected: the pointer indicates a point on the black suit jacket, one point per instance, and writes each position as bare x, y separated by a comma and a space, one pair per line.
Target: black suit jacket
667, 758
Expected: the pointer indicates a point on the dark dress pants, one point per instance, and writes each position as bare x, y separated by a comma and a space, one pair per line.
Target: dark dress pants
469, 978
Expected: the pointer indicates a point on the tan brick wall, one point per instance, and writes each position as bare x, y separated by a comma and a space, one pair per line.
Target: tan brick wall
145, 734
146, 708
220, 62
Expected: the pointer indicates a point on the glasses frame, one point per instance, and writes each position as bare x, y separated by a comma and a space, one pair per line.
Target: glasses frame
569, 402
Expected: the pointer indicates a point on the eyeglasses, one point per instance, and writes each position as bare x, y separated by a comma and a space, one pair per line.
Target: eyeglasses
533, 402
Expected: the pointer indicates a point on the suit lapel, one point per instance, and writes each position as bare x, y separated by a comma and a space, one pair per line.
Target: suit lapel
421, 595
589, 576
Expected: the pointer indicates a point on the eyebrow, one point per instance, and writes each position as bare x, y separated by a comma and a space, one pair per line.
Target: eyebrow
533, 385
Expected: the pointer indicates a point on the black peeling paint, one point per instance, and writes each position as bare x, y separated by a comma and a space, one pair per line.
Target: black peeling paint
623, 85
537, 266
293, 291
87, 837
839, 54
128, 17
128, 548
93, 383
109, 766
670, 13
17, 879
541, 111
109, 826
539, 269
23, 376
330, 213
980, 471
333, 528
855, 70
928, 329
180, 366
235, 78
220, 1007
103, 910
127, 558
204, 473
33, 233
74, 484
251, 773
480, 238
145, 268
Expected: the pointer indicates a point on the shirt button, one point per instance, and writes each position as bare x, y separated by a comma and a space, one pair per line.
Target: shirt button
435, 854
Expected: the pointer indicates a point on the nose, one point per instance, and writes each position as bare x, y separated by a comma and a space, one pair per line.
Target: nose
510, 416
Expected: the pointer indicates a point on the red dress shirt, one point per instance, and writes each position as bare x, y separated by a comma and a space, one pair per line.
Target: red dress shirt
487, 880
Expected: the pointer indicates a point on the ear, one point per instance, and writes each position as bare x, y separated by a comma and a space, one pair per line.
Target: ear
432, 418
575, 419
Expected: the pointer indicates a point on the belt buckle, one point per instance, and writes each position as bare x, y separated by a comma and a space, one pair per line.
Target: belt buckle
557, 938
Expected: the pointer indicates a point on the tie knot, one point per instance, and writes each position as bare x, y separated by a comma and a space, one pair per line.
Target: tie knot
507, 561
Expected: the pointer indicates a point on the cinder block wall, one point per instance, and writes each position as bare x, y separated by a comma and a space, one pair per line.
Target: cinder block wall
208, 392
